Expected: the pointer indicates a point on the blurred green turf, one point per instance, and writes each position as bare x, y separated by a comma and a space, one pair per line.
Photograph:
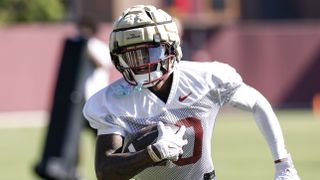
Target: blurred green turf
239, 151
21, 149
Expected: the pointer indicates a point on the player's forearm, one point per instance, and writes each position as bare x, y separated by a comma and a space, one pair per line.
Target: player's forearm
122, 165
269, 126
248, 98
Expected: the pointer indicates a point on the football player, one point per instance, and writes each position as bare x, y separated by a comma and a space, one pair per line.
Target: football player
158, 88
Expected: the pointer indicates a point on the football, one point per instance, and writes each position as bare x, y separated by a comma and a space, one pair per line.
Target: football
144, 137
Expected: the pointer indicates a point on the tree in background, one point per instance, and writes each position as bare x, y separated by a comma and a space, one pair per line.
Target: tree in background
14, 11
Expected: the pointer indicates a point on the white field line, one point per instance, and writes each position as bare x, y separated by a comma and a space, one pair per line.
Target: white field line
28, 119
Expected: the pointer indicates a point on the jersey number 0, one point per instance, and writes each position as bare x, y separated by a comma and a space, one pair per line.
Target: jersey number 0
198, 135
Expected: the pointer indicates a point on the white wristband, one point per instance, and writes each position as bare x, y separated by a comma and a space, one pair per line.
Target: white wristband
152, 154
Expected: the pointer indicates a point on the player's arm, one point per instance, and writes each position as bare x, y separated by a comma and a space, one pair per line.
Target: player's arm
110, 163
248, 98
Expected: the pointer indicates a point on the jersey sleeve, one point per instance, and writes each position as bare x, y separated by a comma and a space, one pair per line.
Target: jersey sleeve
99, 118
249, 99
226, 81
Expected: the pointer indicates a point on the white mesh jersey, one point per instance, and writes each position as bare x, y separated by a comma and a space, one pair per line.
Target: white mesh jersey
198, 91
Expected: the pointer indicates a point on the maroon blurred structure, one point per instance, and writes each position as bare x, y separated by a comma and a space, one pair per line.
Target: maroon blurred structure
29, 61
282, 60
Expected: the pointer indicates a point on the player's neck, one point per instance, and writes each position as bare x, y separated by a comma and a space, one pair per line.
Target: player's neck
162, 90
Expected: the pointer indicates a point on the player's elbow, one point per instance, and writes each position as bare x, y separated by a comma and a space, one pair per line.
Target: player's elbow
100, 173
257, 101
261, 104
105, 173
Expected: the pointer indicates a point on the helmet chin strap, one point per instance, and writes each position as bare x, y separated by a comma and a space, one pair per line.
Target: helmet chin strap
148, 78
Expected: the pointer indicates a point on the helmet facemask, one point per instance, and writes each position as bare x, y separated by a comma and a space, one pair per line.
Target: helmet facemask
145, 64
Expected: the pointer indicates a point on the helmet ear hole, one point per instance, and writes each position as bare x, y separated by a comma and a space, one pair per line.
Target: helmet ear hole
149, 14
173, 48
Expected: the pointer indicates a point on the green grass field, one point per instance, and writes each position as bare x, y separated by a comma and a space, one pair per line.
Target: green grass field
239, 151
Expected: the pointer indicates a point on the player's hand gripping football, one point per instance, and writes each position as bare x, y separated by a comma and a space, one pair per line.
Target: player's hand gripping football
168, 144
286, 171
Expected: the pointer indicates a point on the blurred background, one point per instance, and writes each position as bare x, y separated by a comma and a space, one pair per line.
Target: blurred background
273, 44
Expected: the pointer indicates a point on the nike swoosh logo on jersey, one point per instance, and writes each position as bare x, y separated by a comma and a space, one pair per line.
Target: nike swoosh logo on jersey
182, 98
